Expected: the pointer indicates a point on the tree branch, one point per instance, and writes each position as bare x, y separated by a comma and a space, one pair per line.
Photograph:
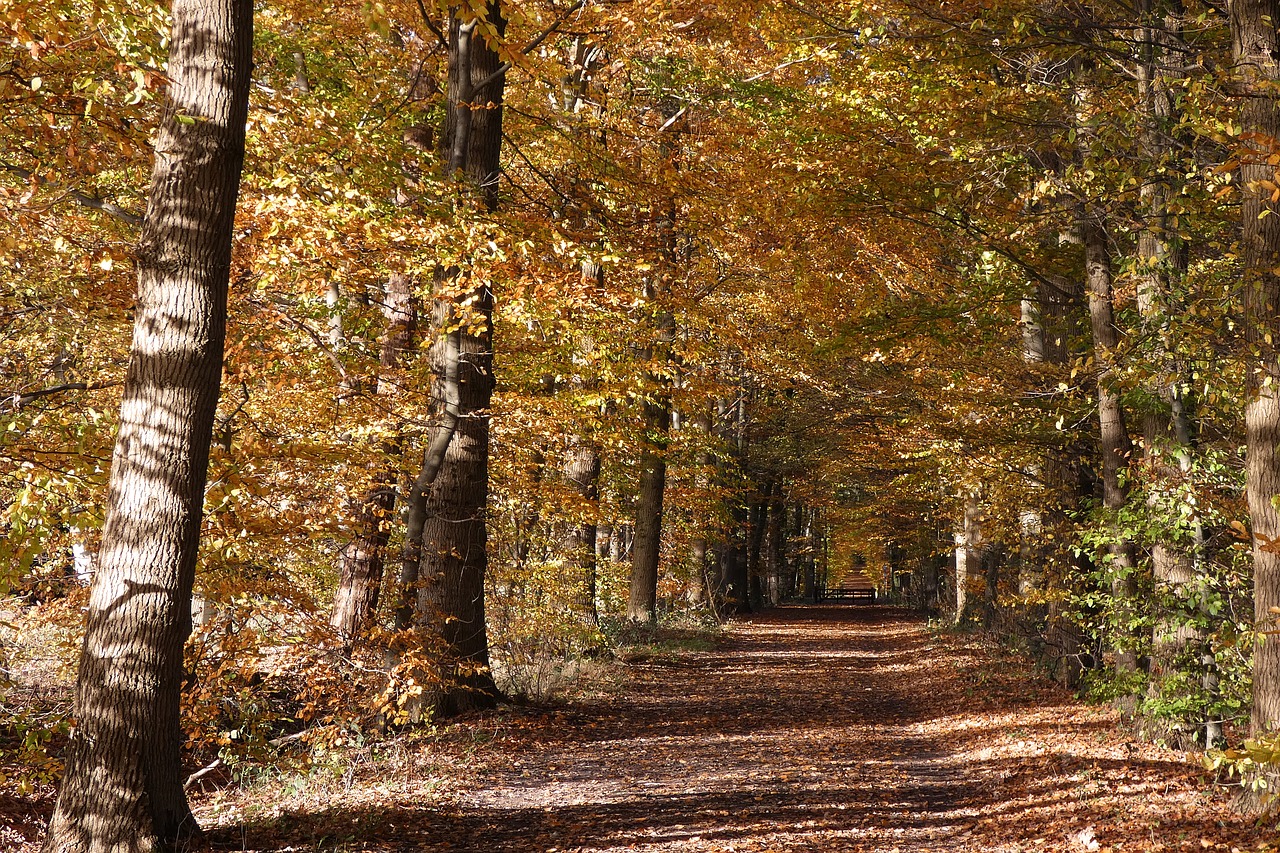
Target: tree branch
529, 48
89, 201
14, 402
436, 31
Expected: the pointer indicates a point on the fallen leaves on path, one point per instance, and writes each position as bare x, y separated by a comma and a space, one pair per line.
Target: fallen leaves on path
815, 729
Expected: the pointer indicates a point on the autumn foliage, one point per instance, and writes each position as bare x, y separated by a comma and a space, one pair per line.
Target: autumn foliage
951, 296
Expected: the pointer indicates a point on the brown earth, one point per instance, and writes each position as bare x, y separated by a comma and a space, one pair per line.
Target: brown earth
814, 729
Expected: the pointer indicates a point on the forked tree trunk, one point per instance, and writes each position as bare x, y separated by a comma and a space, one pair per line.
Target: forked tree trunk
1257, 55
454, 550
122, 790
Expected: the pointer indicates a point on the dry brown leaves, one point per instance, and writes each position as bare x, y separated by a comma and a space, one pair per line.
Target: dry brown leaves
816, 729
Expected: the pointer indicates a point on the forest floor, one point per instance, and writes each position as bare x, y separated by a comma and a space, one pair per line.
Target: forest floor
808, 728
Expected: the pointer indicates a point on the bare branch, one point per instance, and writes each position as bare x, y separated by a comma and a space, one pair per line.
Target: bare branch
14, 402
89, 201
530, 47
426, 19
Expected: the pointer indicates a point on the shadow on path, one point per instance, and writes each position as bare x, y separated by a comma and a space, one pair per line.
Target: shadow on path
824, 728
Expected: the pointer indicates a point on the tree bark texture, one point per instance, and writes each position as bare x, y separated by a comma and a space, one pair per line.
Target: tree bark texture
1257, 63
361, 561
454, 551
122, 790
1115, 445
582, 470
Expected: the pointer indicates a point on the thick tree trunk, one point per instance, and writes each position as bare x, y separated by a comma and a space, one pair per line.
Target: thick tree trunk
1257, 55
454, 550
122, 790
446, 363
361, 560
1114, 434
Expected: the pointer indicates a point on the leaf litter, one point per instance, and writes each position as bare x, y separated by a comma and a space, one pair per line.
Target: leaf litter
807, 729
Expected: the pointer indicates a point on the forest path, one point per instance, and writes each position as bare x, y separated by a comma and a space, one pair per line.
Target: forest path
809, 729
767, 743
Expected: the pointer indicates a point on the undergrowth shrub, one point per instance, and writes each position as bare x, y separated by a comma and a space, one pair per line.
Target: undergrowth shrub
38, 648
542, 639
266, 671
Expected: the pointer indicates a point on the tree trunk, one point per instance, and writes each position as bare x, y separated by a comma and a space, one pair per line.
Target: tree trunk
731, 554
808, 579
775, 567
1257, 56
704, 580
454, 551
968, 553
643, 599
361, 561
1115, 443
582, 470
1056, 319
1161, 262
992, 560
755, 547
122, 790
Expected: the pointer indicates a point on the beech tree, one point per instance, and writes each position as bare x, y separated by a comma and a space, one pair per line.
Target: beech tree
1256, 49
453, 554
777, 290
123, 787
